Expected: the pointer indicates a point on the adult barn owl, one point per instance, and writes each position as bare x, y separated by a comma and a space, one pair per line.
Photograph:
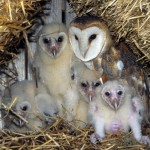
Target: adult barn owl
89, 37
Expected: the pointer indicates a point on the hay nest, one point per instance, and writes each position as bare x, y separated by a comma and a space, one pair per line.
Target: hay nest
128, 20
16, 17
63, 135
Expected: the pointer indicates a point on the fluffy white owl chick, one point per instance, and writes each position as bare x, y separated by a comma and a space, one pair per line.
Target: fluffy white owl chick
29, 107
116, 108
86, 80
53, 62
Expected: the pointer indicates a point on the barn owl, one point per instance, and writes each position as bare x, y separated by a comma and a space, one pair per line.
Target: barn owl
30, 106
53, 62
89, 38
47, 107
116, 62
116, 108
86, 80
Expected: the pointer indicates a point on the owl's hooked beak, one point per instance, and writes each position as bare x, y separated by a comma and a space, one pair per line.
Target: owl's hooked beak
18, 122
85, 53
90, 94
115, 103
54, 49
83, 49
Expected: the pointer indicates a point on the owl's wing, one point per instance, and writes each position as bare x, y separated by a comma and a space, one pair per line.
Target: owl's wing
135, 76
112, 64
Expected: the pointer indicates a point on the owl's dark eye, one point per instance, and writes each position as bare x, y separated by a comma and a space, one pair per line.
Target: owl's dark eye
76, 37
46, 40
60, 39
120, 93
83, 84
92, 37
24, 108
96, 84
107, 94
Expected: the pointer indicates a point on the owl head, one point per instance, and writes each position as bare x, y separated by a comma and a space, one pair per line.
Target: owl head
52, 39
114, 93
89, 37
22, 108
87, 81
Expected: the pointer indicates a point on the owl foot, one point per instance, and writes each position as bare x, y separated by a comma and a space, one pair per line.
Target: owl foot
94, 137
145, 140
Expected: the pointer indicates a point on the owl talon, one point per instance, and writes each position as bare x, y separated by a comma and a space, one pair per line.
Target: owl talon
94, 137
145, 140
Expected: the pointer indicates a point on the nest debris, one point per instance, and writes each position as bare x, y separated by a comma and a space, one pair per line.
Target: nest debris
128, 20
63, 135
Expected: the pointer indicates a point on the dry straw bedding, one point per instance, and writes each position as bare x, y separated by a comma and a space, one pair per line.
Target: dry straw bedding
127, 19
16, 17
64, 136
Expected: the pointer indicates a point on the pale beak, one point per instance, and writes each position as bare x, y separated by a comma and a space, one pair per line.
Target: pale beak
115, 103
90, 94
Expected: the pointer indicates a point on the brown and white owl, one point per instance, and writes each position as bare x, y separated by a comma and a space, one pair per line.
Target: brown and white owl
89, 37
